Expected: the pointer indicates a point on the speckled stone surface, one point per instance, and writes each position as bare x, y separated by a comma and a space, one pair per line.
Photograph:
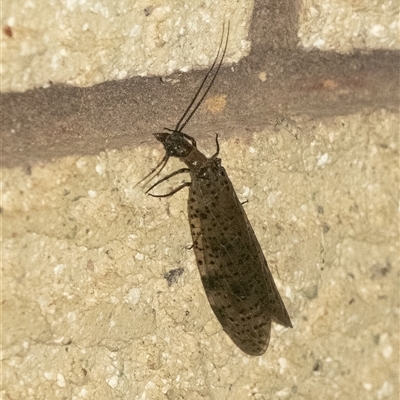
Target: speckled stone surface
88, 312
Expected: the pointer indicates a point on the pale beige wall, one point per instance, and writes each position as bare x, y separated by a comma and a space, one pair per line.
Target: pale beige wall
343, 26
83, 43
88, 314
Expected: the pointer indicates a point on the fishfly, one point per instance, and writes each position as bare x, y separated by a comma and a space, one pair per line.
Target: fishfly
235, 275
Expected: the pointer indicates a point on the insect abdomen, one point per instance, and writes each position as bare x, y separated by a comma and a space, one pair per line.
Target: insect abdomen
234, 272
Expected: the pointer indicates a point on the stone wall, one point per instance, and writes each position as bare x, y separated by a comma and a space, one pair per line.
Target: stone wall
101, 297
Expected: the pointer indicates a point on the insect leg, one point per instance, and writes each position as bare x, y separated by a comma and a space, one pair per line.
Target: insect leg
172, 192
177, 172
216, 141
192, 139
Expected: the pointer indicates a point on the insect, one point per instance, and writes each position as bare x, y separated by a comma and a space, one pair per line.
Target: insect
234, 272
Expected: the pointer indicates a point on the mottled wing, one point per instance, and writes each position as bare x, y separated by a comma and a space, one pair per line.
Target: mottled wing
233, 269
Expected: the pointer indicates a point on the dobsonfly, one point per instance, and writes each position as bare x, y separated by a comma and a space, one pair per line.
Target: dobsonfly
235, 274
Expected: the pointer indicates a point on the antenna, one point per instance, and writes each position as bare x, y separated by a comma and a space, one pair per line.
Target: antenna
180, 125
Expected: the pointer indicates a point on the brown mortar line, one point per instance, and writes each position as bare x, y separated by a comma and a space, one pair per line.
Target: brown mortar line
43, 124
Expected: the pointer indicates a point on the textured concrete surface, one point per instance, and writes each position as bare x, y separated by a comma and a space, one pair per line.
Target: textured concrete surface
83, 43
363, 24
41, 125
309, 139
89, 313
86, 43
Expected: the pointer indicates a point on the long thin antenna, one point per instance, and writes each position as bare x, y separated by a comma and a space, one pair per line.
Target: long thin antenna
179, 127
